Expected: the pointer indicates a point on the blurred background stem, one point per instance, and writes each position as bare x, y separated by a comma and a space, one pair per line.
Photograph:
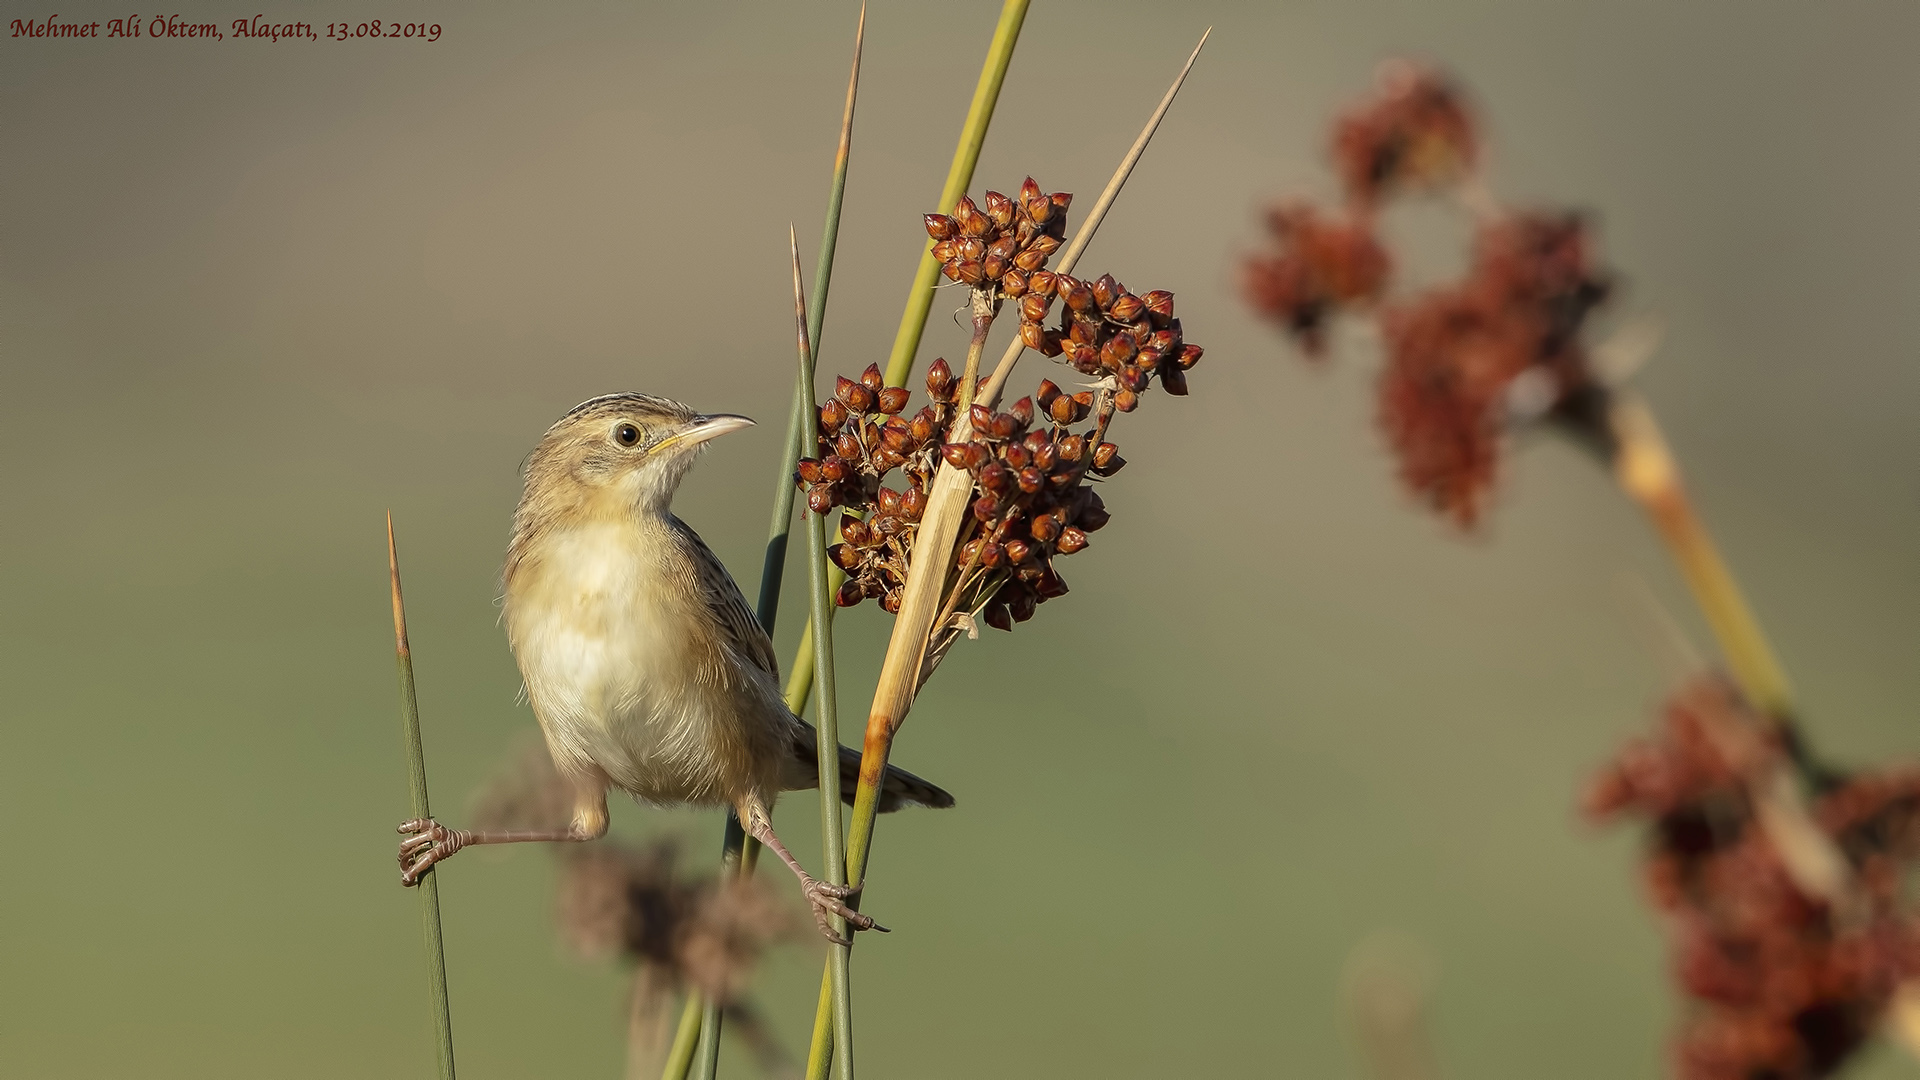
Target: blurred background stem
1647, 472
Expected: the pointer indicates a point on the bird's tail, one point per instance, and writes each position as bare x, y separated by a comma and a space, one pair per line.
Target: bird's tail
899, 788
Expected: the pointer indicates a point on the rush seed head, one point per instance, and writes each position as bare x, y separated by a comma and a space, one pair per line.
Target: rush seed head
998, 249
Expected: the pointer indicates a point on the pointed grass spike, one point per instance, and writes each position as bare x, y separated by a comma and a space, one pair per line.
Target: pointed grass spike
826, 713
417, 784
906, 343
739, 849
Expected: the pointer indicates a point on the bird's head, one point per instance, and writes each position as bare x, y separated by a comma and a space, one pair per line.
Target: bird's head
620, 453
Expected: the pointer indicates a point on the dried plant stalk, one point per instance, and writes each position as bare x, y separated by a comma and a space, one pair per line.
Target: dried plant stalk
1071, 256
1647, 472
913, 627
417, 786
913, 323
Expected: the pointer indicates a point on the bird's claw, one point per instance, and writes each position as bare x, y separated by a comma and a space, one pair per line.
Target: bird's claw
829, 900
428, 842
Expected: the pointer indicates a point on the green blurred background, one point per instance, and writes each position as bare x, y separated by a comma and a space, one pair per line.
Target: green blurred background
254, 295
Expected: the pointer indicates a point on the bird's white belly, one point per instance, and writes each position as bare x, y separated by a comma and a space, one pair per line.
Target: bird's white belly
611, 670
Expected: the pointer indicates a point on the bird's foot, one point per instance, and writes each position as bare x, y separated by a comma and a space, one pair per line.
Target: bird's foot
427, 842
830, 900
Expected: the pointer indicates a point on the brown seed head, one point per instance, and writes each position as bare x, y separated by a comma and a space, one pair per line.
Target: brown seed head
893, 399
1413, 132
940, 381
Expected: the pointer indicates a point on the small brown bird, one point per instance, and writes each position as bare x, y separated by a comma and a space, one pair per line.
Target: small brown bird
644, 665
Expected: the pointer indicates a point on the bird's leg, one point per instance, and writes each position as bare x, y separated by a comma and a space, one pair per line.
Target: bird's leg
428, 842
827, 900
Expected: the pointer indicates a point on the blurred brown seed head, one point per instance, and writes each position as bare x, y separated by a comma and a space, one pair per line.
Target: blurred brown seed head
1413, 132
634, 902
527, 793
1784, 986
1319, 267
1453, 355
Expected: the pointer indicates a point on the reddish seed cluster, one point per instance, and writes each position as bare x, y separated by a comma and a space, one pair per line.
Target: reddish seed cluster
1323, 264
1454, 354
1414, 132
1031, 499
1106, 330
1787, 988
863, 437
997, 247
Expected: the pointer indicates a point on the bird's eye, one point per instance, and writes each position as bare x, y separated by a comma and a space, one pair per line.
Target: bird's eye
626, 435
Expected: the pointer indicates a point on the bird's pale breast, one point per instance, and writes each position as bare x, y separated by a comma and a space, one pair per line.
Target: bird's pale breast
624, 669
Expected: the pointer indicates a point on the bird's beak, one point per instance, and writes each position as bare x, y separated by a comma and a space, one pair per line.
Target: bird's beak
702, 428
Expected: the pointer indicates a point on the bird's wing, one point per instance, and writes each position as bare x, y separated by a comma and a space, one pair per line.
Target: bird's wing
730, 611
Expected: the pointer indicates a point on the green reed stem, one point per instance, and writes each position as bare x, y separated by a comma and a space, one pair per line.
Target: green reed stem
417, 786
800, 417
739, 850
685, 1037
906, 343
735, 862
973, 135
827, 738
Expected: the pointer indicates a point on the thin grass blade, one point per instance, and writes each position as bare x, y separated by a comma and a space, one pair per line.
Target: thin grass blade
738, 851
827, 740
417, 785
800, 414
906, 344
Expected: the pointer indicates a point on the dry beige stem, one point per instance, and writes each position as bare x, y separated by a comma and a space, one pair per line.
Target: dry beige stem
1647, 472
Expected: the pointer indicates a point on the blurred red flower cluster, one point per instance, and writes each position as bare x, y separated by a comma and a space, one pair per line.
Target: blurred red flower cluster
1787, 984
1455, 355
